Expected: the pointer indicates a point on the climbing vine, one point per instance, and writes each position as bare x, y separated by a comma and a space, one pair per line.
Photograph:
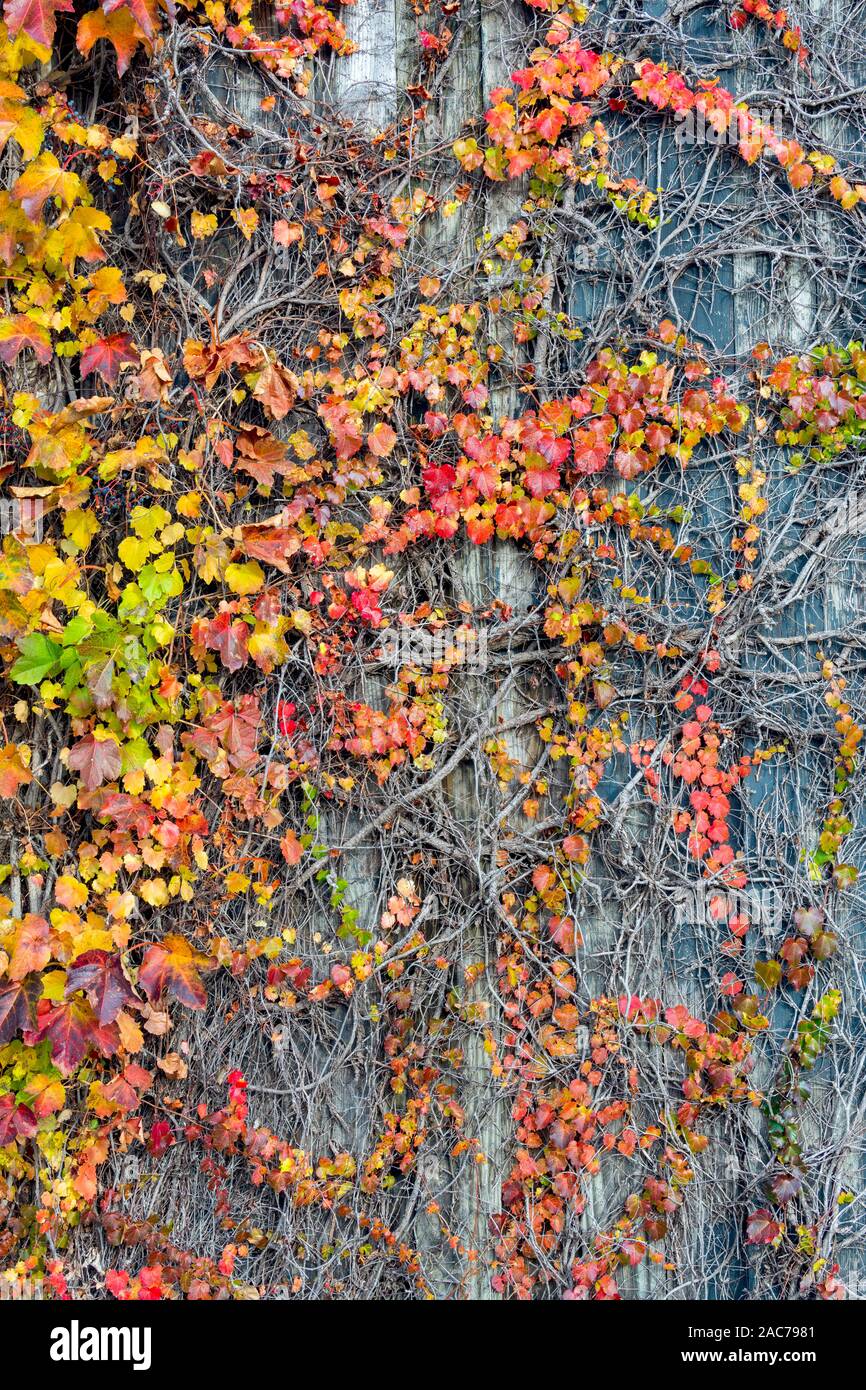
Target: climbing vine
270, 381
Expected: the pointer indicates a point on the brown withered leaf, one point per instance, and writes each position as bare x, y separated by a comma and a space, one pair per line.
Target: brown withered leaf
276, 390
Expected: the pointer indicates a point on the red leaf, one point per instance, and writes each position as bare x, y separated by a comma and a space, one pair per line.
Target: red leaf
107, 356
15, 1120
230, 637
73, 1029
18, 1006
161, 1138
542, 479
35, 17
784, 1186
101, 977
98, 760
761, 1229
285, 723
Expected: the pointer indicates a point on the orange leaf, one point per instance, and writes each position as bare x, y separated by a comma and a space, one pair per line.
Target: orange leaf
14, 772
291, 847
32, 950
119, 28
172, 967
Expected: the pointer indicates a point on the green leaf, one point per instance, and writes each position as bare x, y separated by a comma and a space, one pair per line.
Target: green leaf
38, 659
76, 630
768, 973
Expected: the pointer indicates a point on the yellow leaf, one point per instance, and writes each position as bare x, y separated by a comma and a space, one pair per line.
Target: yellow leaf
124, 146
146, 521
247, 220
61, 795
154, 892
135, 553
80, 527
203, 224
302, 445
189, 504
247, 578
69, 892
53, 985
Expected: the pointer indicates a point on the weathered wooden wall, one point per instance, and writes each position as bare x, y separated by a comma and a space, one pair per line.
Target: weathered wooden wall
733, 279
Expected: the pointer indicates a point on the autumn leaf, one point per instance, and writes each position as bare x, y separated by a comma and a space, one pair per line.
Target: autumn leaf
108, 355
549, 124
343, 427
285, 722
761, 1229
35, 17
207, 363
542, 478
247, 220
131, 1036
73, 1029
202, 225
785, 1186
100, 975
16, 1120
800, 176
18, 1002
44, 1094
274, 544
32, 950
768, 973
97, 760
245, 578
46, 178
381, 440
145, 12
276, 389
119, 27
286, 233
173, 967
228, 636
14, 771
77, 238
155, 378
19, 122
21, 333
291, 847
261, 455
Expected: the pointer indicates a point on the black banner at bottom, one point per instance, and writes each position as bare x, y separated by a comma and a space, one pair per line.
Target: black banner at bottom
152, 1338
